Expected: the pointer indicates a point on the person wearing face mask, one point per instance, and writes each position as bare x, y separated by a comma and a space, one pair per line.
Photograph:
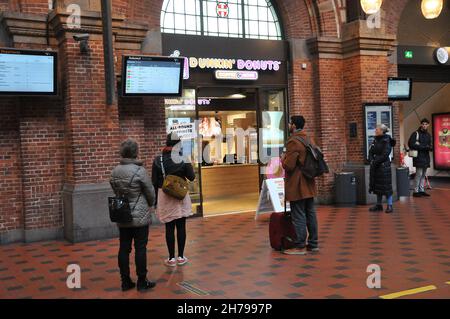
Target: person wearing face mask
420, 141
380, 168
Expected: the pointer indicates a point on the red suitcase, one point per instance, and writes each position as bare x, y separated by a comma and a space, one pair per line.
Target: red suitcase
281, 232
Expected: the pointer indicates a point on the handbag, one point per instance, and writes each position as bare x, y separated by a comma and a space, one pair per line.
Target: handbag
414, 153
173, 185
119, 206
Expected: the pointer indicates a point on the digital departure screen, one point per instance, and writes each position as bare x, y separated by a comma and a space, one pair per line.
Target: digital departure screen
26, 72
399, 89
145, 75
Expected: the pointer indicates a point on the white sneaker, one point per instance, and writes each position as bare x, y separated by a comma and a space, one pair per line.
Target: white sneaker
182, 260
170, 262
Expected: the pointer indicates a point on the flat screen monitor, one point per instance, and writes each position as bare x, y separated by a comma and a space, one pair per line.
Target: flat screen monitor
399, 89
154, 76
28, 72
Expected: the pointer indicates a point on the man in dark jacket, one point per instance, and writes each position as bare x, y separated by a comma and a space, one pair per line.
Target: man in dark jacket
420, 141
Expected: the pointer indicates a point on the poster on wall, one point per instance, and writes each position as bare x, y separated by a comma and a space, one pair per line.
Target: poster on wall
376, 114
441, 141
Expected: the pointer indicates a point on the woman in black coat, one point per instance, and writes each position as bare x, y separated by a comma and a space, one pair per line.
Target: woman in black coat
380, 168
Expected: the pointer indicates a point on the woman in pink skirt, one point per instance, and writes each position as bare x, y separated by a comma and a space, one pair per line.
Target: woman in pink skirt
169, 210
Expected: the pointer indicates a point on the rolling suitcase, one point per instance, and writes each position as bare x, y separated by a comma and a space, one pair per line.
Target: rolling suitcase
281, 231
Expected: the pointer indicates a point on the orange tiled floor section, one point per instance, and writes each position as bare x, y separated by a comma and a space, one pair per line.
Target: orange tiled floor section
231, 258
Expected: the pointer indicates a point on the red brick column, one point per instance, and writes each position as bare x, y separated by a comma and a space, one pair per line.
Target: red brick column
91, 130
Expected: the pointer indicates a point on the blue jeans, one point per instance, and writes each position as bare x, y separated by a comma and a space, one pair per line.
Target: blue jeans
304, 220
380, 199
421, 174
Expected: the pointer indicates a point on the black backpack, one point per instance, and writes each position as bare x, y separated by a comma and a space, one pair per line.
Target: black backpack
315, 164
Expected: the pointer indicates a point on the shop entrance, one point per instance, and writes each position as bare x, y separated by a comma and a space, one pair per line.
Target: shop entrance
232, 137
228, 127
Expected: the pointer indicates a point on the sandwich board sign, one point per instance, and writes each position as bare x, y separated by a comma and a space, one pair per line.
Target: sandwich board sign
271, 198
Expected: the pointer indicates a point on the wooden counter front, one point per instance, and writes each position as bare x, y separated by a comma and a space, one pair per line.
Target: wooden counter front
229, 180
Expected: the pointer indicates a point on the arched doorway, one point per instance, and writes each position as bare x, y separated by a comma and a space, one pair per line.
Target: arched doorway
236, 80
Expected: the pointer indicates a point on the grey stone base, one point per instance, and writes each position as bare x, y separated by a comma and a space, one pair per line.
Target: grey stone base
30, 235
362, 174
86, 214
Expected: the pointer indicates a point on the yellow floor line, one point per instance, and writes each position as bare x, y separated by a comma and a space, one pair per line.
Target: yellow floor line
408, 292
448, 282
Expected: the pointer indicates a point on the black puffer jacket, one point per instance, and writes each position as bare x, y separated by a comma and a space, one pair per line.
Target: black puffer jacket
424, 147
380, 165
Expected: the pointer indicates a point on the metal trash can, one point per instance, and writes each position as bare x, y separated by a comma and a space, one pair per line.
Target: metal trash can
345, 189
403, 181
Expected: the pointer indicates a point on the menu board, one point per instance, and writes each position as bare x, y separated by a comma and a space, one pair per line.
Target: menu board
374, 115
25, 72
441, 141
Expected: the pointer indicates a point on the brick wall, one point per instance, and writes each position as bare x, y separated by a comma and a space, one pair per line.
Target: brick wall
41, 127
11, 216
45, 143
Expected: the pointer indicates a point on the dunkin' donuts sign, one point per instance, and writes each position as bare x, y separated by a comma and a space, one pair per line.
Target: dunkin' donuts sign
233, 64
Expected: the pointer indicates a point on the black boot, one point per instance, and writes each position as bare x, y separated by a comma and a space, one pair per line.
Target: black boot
145, 284
127, 284
376, 208
389, 209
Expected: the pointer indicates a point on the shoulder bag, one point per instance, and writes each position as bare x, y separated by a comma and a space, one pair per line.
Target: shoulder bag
173, 185
119, 206
414, 153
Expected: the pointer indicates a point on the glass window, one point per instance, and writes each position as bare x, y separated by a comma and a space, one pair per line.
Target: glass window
184, 17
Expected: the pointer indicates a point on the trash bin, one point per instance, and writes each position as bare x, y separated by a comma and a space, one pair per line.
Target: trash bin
403, 181
345, 189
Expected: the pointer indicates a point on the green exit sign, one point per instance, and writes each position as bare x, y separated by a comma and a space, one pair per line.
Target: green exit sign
409, 55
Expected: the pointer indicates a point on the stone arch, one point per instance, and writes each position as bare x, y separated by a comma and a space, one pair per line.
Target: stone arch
392, 14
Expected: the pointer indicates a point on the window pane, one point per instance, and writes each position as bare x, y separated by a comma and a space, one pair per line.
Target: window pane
233, 10
178, 6
168, 20
253, 27
262, 13
179, 22
252, 2
272, 29
212, 9
262, 3
223, 25
191, 23
212, 25
252, 13
263, 28
234, 25
191, 5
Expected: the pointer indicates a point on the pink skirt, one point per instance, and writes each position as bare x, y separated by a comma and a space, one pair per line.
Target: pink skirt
169, 208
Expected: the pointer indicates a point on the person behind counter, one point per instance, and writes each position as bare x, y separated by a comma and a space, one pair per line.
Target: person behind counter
171, 211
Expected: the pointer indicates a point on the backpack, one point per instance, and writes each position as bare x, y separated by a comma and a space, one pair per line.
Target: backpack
315, 164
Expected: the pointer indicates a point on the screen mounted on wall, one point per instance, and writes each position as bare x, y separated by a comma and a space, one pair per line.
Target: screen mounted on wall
154, 76
399, 89
28, 72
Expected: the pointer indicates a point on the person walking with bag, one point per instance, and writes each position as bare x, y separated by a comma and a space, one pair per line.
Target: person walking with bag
380, 168
169, 175
130, 178
300, 190
420, 147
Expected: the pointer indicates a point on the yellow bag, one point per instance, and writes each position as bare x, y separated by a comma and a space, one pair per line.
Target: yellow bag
173, 185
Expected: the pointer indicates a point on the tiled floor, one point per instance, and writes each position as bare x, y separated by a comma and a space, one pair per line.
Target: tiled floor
231, 258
